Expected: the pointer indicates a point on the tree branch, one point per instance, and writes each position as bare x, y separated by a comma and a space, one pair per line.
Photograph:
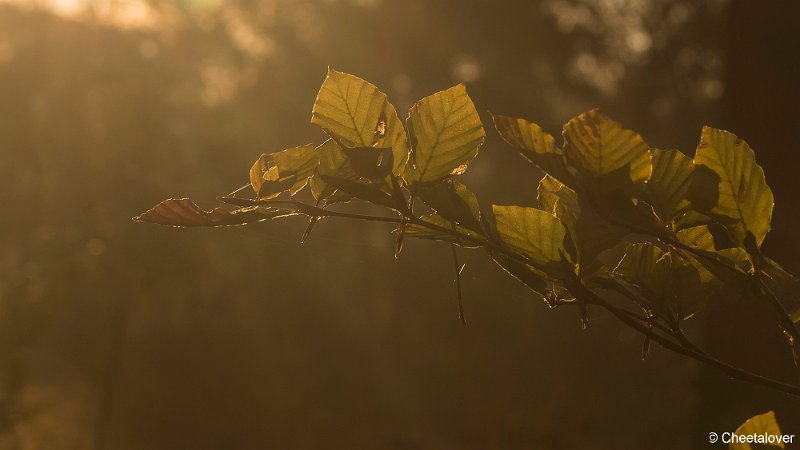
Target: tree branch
674, 340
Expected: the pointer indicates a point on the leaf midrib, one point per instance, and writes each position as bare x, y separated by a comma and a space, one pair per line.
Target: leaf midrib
440, 132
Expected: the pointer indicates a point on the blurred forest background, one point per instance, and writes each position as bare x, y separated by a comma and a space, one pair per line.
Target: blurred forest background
116, 335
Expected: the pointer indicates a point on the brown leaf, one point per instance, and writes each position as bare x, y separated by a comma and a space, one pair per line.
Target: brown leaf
182, 212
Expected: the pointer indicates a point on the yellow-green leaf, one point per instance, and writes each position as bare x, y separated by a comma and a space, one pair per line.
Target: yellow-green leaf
357, 114
286, 170
698, 237
647, 266
549, 191
733, 189
534, 233
332, 162
446, 133
691, 218
612, 157
765, 431
667, 186
535, 145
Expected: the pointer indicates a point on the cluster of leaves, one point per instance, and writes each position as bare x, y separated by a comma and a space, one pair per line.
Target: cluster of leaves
691, 228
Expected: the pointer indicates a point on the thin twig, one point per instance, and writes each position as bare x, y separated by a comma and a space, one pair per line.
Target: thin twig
457, 268
233, 194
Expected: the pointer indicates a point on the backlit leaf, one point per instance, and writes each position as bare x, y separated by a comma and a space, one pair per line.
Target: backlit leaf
609, 156
446, 133
646, 265
785, 286
731, 188
589, 232
550, 191
454, 202
667, 186
676, 284
698, 237
535, 145
760, 426
694, 285
333, 162
286, 170
691, 219
534, 233
730, 266
182, 212
357, 114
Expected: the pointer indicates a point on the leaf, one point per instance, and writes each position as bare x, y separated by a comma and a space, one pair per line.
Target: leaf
697, 237
762, 427
369, 162
417, 231
676, 284
369, 192
182, 212
732, 188
550, 191
647, 266
535, 145
589, 233
446, 133
610, 157
534, 233
357, 114
737, 257
785, 286
666, 189
365, 165
612, 165
285, 170
738, 265
454, 202
333, 162
693, 284
691, 219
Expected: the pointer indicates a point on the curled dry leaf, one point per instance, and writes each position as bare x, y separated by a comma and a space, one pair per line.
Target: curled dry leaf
183, 212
